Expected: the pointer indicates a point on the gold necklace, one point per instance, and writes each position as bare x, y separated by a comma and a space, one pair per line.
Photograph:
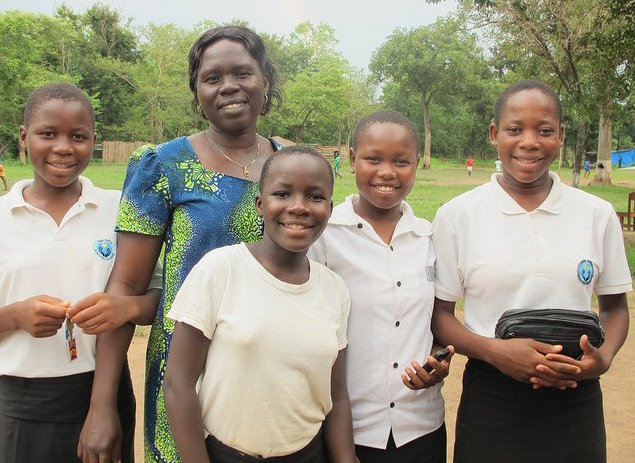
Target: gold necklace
245, 167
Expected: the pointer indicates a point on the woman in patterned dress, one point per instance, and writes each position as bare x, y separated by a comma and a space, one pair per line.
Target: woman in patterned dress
190, 195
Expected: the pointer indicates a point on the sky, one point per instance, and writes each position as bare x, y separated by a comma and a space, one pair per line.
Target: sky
361, 26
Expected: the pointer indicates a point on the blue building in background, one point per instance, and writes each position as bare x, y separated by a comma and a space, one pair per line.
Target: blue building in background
628, 158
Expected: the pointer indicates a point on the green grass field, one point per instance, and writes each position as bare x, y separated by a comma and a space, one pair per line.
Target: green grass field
433, 187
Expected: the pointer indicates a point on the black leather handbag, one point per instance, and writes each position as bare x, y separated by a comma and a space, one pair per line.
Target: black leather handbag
552, 326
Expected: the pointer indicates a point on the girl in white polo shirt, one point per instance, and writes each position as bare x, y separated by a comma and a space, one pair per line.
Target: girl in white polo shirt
555, 246
58, 242
384, 253
257, 362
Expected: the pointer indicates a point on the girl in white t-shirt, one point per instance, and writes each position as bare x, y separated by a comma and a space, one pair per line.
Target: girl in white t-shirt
385, 255
257, 362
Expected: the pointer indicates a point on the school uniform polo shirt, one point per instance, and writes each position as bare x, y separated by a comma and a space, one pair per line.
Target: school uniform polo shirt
497, 256
69, 261
392, 293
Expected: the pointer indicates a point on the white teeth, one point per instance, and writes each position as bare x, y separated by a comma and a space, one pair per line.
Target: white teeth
384, 187
295, 226
527, 161
233, 106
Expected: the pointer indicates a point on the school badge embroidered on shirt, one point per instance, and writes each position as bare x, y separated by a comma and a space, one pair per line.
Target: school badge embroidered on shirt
585, 271
104, 249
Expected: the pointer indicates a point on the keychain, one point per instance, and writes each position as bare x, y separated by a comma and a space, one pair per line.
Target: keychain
71, 342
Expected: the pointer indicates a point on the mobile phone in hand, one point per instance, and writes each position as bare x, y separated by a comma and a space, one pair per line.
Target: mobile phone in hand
439, 356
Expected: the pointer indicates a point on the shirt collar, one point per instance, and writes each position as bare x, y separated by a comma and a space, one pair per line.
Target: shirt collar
552, 203
345, 215
16, 198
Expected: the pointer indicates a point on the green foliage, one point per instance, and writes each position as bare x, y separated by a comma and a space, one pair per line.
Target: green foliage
438, 76
323, 94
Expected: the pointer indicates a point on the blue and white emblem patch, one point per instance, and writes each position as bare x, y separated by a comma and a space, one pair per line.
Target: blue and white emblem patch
104, 249
585, 271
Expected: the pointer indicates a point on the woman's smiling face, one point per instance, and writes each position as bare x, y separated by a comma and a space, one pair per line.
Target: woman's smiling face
230, 87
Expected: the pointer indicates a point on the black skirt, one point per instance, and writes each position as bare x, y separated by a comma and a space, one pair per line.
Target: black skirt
41, 418
503, 420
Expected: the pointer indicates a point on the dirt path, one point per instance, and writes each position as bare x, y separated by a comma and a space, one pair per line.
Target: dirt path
618, 386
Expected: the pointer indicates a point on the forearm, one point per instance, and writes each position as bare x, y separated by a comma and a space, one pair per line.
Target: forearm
144, 308
112, 347
338, 432
615, 321
448, 330
8, 320
186, 422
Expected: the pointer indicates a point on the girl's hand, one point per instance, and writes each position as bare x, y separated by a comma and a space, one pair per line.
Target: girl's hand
519, 359
100, 312
592, 364
415, 377
40, 316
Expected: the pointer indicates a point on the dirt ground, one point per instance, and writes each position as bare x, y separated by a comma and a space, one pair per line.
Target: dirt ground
618, 385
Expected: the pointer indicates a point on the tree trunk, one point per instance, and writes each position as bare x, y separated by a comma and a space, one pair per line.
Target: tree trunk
605, 142
426, 128
564, 162
579, 151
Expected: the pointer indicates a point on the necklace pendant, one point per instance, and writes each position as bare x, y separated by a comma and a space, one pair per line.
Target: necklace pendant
245, 171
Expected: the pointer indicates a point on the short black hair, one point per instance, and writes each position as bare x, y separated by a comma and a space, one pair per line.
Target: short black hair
384, 117
521, 86
254, 46
57, 91
289, 151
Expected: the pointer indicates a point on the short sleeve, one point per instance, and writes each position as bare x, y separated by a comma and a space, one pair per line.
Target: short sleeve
198, 300
615, 277
448, 283
145, 198
345, 308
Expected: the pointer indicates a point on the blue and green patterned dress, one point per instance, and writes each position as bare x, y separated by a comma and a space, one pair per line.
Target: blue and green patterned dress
168, 192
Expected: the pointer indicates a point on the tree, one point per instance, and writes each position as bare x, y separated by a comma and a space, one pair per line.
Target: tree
430, 62
104, 52
34, 50
563, 41
320, 87
160, 80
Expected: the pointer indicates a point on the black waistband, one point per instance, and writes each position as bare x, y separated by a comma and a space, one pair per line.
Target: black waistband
313, 452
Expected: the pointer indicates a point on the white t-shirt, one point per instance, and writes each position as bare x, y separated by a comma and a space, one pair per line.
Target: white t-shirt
266, 385
70, 262
498, 256
392, 293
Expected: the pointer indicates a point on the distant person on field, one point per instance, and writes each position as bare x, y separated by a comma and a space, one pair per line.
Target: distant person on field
3, 176
499, 164
58, 246
336, 163
587, 168
469, 164
619, 161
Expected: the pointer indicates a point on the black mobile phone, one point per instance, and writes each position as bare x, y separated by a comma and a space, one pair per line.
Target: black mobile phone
439, 356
